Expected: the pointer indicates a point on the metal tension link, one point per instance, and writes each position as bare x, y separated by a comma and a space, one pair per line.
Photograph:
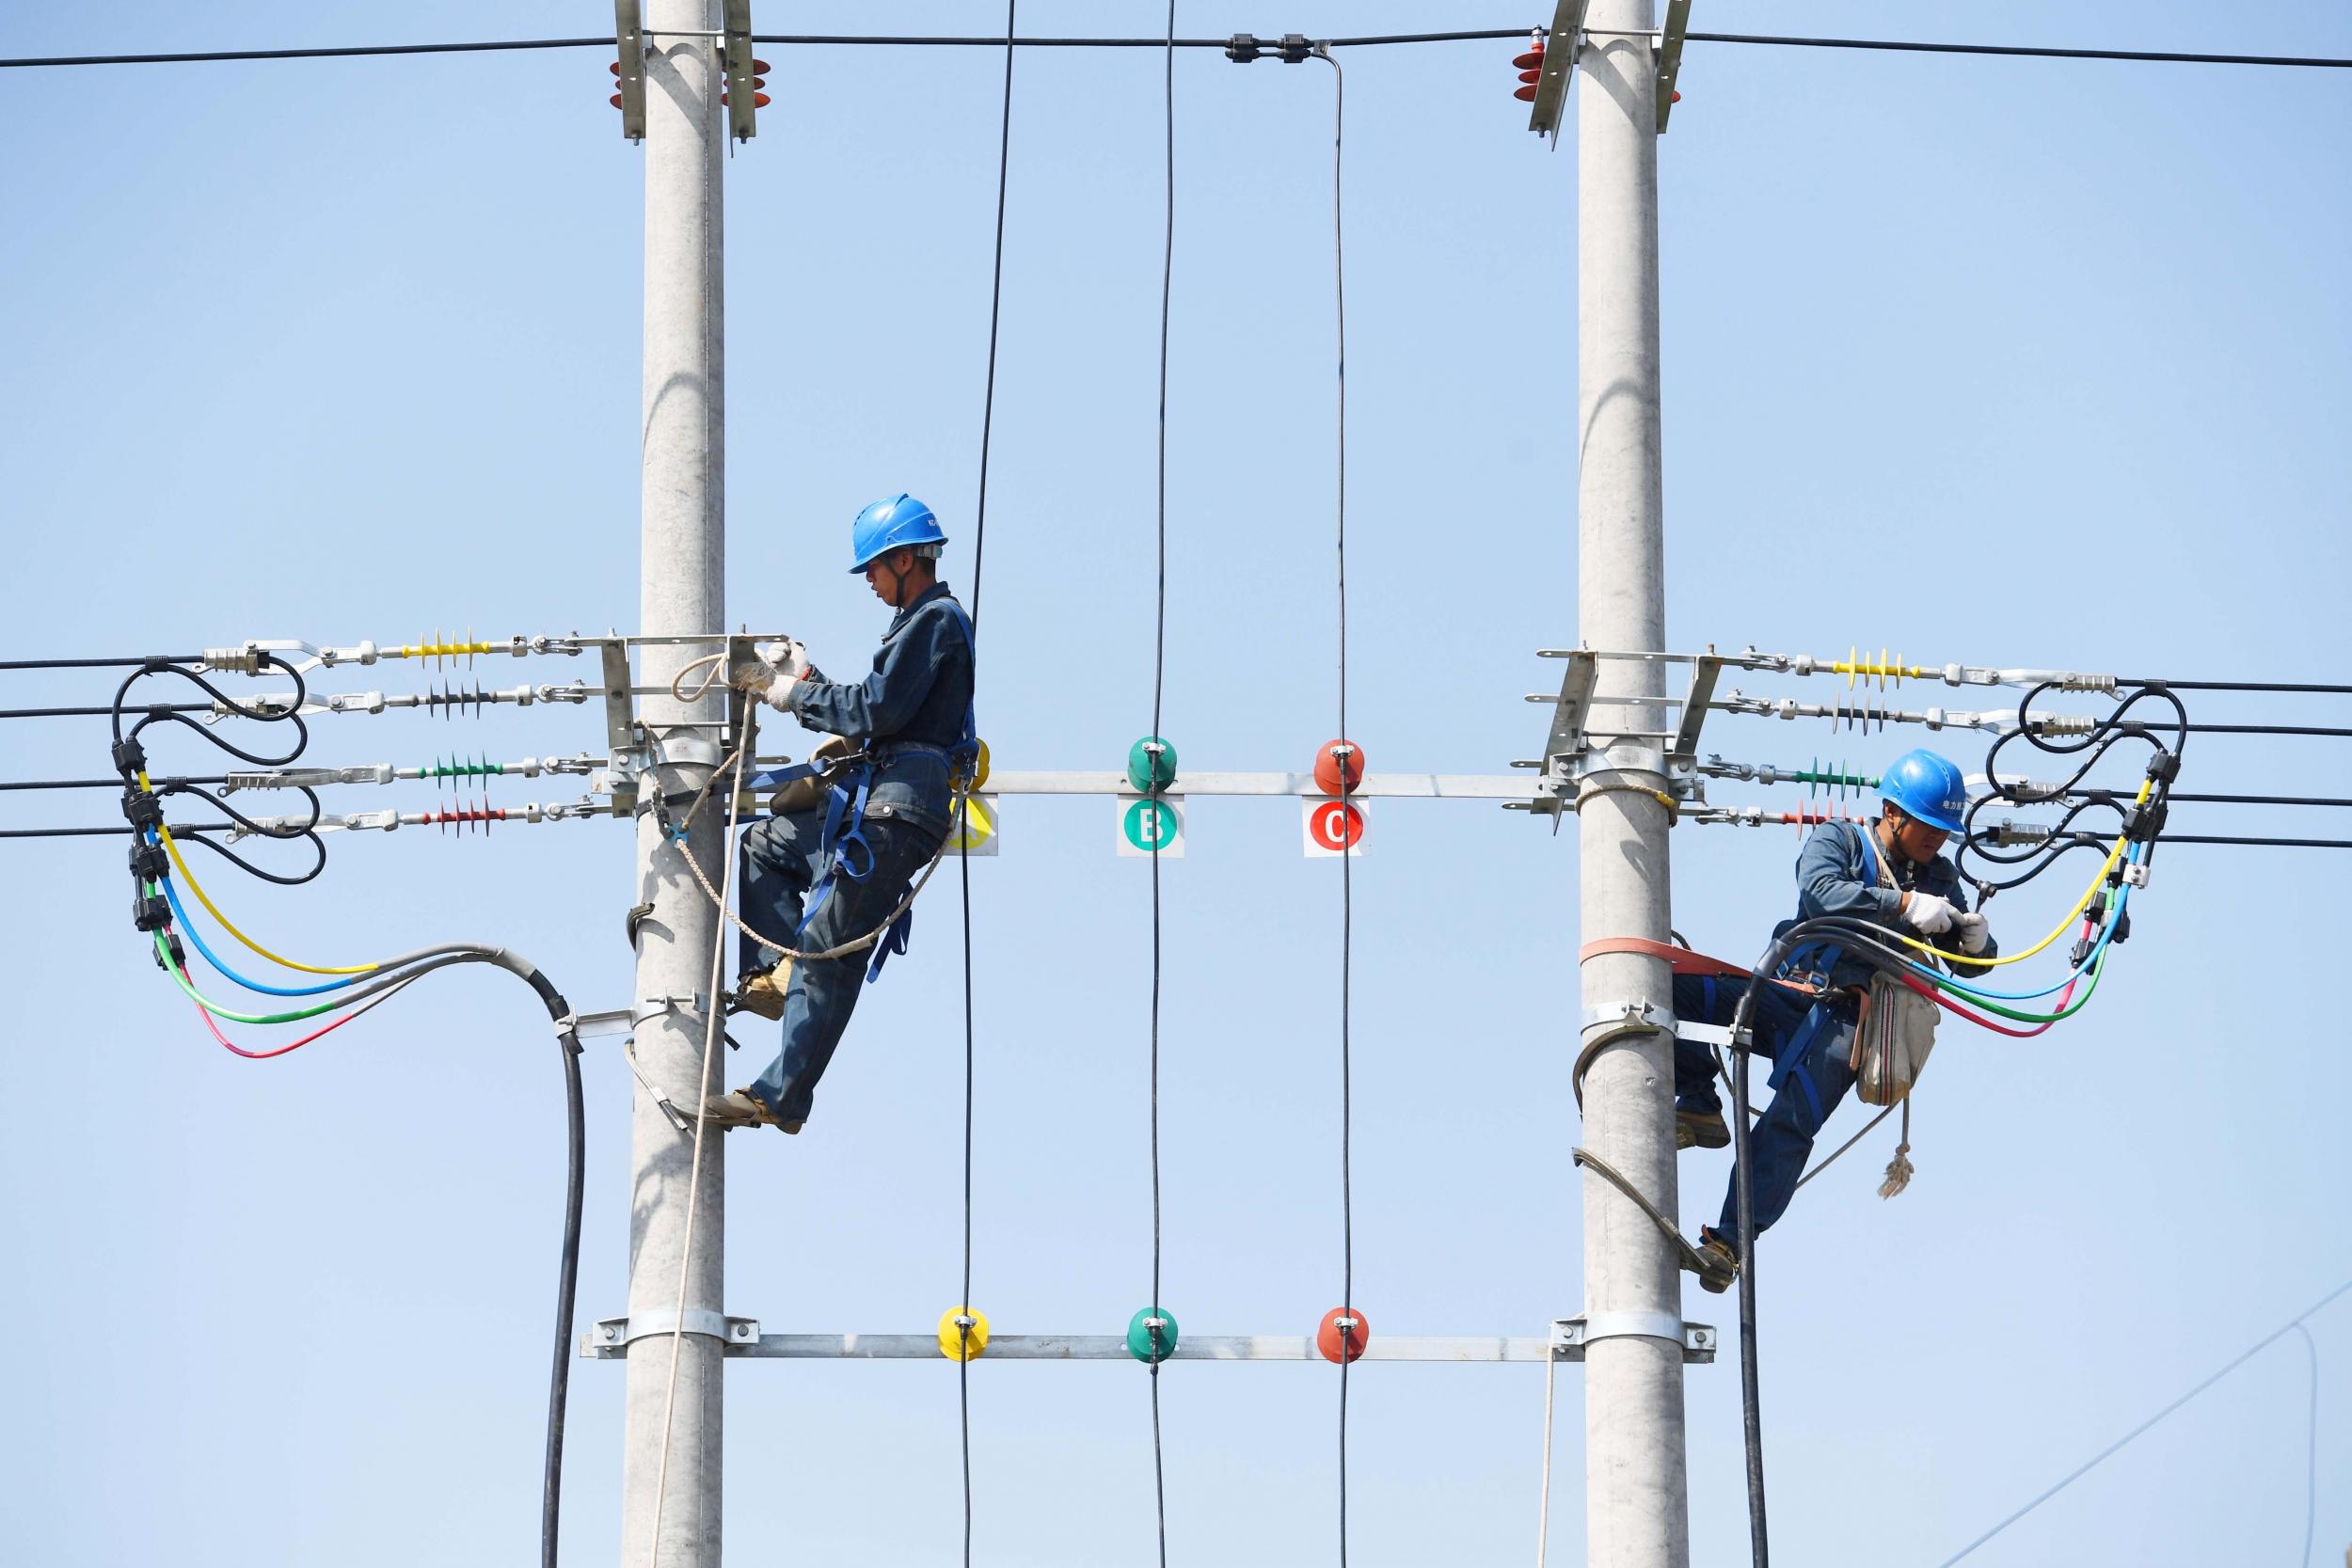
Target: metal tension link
610, 1339
1570, 1336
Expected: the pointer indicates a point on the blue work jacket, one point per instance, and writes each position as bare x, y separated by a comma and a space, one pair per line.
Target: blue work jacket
911, 712
1836, 875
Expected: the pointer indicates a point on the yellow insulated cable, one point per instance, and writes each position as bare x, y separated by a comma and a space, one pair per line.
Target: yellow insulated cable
190, 878
2056, 931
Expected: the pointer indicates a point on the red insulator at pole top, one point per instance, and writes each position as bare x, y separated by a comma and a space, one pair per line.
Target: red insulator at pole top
1342, 1334
1530, 66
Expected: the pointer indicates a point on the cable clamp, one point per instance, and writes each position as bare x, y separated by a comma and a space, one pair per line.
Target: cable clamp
1570, 1337
2135, 875
611, 1337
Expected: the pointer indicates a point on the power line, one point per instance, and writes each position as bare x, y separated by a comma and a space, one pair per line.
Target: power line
211, 56
2095, 1459
963, 842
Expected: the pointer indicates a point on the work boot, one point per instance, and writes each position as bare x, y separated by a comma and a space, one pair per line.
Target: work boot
762, 990
1701, 1129
743, 1108
1722, 1264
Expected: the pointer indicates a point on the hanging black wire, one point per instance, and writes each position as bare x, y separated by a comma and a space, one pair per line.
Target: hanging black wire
1159, 686
963, 843
1348, 834
100, 663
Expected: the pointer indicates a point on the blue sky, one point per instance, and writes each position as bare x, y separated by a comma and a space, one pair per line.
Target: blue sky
2008, 362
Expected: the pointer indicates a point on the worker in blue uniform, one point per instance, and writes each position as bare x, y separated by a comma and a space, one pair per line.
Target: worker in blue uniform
1890, 872
815, 877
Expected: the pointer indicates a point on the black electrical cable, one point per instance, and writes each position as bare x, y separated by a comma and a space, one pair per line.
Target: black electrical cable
2115, 1447
1159, 686
2161, 56
177, 831
2267, 729
964, 840
1347, 847
954, 40
106, 784
222, 701
2241, 686
98, 663
98, 712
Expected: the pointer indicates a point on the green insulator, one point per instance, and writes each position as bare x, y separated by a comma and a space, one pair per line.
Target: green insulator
1139, 1334
1151, 765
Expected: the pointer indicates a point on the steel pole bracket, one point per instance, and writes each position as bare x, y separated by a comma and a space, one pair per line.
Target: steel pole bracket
1607, 1021
611, 1339
629, 38
1571, 1336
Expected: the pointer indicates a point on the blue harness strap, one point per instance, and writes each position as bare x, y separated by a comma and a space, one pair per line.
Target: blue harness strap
1790, 1063
837, 846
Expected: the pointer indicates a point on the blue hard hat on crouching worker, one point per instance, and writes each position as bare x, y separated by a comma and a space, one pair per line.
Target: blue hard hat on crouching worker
1928, 788
900, 522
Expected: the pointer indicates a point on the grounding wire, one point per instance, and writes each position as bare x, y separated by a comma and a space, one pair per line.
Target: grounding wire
949, 41
963, 836
1159, 690
2103, 1454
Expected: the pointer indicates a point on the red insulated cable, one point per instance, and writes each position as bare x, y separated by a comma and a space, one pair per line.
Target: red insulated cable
280, 1050
1981, 1021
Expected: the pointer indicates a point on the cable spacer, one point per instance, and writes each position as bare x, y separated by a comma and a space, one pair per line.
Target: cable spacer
1344, 1332
962, 1334
1152, 1334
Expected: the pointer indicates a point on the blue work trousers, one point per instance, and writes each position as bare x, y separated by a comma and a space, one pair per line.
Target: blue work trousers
779, 864
1809, 1048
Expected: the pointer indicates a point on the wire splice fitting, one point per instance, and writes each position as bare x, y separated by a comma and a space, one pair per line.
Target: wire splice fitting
1242, 48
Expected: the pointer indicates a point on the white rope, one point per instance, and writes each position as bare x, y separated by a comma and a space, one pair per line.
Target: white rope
1543, 1512
856, 944
702, 1120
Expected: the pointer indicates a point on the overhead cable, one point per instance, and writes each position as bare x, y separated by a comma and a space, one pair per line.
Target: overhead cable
2160, 56
963, 833
2111, 1450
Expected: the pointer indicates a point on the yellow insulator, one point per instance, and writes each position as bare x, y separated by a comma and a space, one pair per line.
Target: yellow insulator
962, 1334
980, 769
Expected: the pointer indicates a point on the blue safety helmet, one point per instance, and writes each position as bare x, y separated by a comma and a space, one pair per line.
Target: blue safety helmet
1928, 788
889, 524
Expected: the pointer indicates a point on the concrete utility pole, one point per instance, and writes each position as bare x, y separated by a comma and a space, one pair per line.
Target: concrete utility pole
1636, 1489
683, 542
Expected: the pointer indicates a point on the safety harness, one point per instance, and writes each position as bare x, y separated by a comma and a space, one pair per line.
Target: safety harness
842, 848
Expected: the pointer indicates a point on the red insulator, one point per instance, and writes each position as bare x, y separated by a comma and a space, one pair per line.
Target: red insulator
759, 100
1531, 60
616, 100
1525, 95
1339, 767
761, 68
615, 68
1531, 77
1328, 1341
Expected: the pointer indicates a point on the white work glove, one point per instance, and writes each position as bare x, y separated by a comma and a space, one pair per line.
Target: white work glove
1928, 914
781, 666
1975, 931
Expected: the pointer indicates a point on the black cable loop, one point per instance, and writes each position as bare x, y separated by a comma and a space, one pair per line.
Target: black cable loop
253, 829
318, 847
260, 714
